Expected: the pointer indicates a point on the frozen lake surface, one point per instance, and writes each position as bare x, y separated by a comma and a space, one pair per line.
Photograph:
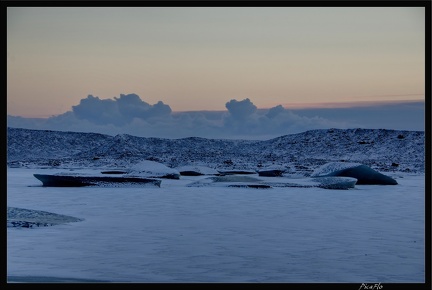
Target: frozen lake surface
175, 233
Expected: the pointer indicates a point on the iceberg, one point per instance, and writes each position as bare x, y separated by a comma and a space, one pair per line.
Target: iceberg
27, 218
153, 169
363, 173
196, 170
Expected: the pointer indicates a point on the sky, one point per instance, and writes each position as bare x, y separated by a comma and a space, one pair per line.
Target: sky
66, 62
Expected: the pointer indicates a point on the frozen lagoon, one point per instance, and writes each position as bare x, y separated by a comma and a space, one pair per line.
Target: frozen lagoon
174, 233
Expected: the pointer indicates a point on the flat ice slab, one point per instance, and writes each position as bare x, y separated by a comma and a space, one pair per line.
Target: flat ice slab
332, 182
27, 218
70, 180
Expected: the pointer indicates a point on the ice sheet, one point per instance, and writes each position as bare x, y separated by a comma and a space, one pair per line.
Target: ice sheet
183, 234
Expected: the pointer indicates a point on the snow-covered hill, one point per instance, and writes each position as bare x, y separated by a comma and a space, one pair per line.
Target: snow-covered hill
384, 150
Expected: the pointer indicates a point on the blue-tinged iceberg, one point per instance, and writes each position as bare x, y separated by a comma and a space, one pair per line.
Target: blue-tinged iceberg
364, 174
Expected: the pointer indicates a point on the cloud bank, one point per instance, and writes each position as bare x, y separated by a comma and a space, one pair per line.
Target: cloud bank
120, 111
129, 114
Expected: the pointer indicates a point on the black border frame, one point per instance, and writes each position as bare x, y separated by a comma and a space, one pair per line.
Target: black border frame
367, 3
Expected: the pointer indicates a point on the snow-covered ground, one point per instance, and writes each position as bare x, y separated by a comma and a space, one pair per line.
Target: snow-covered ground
175, 233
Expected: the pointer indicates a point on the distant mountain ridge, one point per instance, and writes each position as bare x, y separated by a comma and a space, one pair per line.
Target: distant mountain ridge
385, 150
